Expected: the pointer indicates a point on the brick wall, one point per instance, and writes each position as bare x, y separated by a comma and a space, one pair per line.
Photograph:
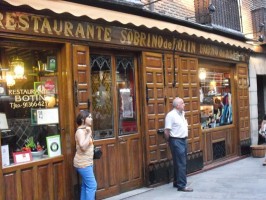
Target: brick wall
258, 4
179, 9
185, 8
246, 16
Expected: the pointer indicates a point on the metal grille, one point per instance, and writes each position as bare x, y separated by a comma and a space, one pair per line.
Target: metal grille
22, 129
218, 150
226, 14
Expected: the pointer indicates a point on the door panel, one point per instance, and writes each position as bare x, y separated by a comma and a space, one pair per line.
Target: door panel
130, 171
243, 114
190, 83
155, 106
81, 77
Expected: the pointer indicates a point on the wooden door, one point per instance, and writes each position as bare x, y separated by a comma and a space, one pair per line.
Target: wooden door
159, 87
154, 106
109, 81
165, 77
190, 94
243, 108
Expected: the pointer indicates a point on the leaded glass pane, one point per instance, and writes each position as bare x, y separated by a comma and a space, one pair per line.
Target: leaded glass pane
102, 107
126, 95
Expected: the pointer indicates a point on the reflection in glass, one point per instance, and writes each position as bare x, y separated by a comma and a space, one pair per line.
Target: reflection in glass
126, 95
215, 99
20, 97
102, 107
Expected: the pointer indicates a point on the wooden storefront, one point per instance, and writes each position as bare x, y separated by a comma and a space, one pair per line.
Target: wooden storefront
127, 77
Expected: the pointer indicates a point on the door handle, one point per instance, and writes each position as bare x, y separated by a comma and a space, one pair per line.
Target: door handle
160, 131
121, 139
147, 94
76, 94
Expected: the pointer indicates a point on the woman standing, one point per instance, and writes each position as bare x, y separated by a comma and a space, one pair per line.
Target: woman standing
262, 131
83, 160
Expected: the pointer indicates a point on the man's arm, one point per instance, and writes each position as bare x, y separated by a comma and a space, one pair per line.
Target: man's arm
166, 134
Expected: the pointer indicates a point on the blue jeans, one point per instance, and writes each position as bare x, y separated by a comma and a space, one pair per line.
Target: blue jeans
178, 148
89, 185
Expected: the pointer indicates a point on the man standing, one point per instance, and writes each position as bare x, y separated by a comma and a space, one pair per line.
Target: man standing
176, 132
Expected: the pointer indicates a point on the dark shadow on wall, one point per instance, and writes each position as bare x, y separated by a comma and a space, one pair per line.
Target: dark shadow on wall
261, 84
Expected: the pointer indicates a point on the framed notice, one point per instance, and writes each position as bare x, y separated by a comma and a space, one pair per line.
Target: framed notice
127, 103
51, 63
53, 145
5, 155
21, 157
39, 88
50, 84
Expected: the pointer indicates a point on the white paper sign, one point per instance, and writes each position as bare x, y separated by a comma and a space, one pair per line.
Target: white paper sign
53, 145
5, 155
3, 121
47, 116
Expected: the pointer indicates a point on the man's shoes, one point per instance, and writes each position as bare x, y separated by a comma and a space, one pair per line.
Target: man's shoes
185, 189
264, 163
175, 186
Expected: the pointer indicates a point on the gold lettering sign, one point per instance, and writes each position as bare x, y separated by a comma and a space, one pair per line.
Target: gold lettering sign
25, 23
26, 98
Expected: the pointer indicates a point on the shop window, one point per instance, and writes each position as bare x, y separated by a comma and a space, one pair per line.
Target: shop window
215, 98
28, 103
126, 95
102, 106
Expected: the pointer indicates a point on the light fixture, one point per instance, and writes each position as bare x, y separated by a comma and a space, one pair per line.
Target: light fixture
10, 81
17, 66
260, 38
211, 10
202, 73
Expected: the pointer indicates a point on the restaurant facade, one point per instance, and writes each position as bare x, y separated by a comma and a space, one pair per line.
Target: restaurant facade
126, 73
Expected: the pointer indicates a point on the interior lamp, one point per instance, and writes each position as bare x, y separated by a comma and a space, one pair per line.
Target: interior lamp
10, 81
18, 67
202, 73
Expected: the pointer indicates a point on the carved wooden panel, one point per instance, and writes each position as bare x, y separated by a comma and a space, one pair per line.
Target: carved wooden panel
190, 88
81, 77
130, 163
243, 101
28, 181
213, 136
154, 72
184, 84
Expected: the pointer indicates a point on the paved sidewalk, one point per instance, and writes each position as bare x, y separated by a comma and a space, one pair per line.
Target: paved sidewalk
244, 179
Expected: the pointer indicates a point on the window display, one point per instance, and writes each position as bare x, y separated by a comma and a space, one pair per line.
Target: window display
215, 98
29, 100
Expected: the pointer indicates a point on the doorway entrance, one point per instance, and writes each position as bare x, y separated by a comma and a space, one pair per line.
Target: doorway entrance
261, 88
107, 83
